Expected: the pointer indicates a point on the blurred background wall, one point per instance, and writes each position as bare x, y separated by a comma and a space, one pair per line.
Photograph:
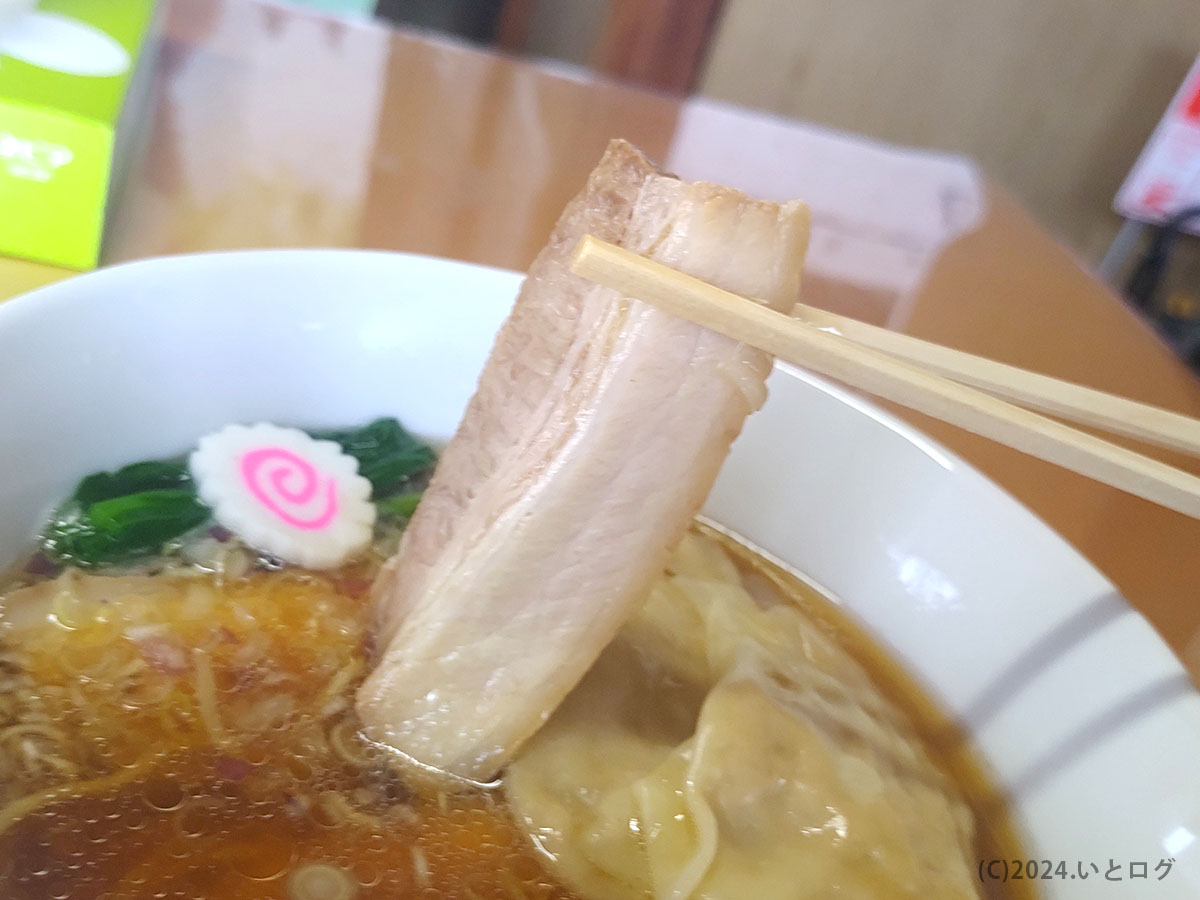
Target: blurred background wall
1054, 98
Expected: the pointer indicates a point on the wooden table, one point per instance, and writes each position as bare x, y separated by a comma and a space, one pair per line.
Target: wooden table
279, 128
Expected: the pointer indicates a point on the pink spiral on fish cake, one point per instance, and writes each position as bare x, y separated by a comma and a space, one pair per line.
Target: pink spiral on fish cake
287, 485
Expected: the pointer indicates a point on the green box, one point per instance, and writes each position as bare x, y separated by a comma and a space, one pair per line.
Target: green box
66, 67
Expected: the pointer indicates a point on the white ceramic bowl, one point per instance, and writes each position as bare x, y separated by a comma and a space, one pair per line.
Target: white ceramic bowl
1080, 709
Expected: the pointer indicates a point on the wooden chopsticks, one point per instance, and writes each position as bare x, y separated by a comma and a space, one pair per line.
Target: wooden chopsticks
928, 378
1075, 402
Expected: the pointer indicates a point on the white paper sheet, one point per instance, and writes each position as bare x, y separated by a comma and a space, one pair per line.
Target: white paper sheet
881, 213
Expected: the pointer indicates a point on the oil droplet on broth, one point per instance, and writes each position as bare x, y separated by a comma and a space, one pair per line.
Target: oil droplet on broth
327, 811
365, 873
320, 881
300, 769
194, 822
163, 794
264, 857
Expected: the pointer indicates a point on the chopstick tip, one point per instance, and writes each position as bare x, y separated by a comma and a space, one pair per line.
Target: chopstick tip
586, 250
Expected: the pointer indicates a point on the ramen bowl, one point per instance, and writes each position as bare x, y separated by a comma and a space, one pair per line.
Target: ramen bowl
1082, 715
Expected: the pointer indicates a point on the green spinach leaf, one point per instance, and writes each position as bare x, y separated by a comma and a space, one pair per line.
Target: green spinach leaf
121, 528
388, 456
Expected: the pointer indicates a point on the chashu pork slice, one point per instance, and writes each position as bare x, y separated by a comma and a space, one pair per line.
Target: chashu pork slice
595, 433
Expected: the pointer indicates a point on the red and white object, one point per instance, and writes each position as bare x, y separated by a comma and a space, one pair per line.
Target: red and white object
1166, 177
281, 491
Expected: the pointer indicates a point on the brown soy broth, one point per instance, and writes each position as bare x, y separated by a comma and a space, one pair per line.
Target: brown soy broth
217, 840
217, 756
170, 803
947, 744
